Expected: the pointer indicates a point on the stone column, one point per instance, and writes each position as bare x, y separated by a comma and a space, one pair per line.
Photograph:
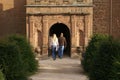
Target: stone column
86, 31
27, 27
31, 25
45, 37
77, 37
73, 35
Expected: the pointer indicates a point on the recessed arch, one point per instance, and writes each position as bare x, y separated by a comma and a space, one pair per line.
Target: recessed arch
58, 28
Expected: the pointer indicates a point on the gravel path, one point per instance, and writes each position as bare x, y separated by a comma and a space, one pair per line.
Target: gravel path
60, 69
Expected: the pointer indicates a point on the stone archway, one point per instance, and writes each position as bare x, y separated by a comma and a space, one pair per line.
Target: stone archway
62, 28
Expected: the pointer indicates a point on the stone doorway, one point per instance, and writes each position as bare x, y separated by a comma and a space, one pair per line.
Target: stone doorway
62, 28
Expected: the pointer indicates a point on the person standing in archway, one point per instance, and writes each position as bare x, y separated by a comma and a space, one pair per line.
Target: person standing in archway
54, 46
62, 45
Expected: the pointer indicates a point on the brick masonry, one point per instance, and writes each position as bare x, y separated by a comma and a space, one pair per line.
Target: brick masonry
101, 17
106, 17
115, 29
77, 16
12, 17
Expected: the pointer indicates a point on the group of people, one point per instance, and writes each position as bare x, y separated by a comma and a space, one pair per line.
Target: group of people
57, 45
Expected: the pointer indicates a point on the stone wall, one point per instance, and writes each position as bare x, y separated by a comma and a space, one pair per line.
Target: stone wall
58, 2
101, 16
12, 17
107, 17
77, 18
116, 19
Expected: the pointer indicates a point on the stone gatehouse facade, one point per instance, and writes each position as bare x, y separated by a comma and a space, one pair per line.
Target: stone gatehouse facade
71, 17
77, 19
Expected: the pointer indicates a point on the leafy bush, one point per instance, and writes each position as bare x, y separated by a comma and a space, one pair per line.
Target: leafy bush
102, 59
115, 70
17, 58
1, 75
102, 62
11, 61
115, 67
106, 64
28, 57
92, 50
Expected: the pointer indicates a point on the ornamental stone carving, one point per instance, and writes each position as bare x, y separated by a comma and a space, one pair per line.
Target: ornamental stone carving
102, 15
57, 2
70, 17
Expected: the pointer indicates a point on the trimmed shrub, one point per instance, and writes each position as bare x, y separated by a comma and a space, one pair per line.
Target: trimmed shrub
1, 75
28, 57
17, 58
11, 61
102, 58
102, 62
115, 67
106, 64
92, 50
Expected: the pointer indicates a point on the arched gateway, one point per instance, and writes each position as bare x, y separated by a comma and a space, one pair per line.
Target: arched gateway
72, 17
62, 28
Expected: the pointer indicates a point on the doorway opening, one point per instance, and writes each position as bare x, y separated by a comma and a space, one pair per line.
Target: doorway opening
59, 28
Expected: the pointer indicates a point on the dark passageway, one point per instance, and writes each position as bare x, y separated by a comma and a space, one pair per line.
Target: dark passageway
61, 28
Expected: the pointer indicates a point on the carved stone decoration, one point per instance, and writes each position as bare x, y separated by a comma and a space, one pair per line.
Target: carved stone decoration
115, 29
60, 16
80, 23
57, 2
37, 1
59, 19
79, 0
38, 23
37, 30
101, 17
80, 31
51, 0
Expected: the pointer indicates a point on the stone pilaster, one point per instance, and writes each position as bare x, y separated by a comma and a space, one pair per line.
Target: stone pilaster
31, 25
85, 31
73, 36
73, 25
45, 37
27, 27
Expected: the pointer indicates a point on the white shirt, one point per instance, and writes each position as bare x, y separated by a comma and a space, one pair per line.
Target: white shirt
55, 42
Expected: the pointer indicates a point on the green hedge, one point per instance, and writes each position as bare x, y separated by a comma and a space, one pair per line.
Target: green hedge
17, 58
102, 62
92, 50
115, 68
1, 75
11, 61
28, 57
106, 64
